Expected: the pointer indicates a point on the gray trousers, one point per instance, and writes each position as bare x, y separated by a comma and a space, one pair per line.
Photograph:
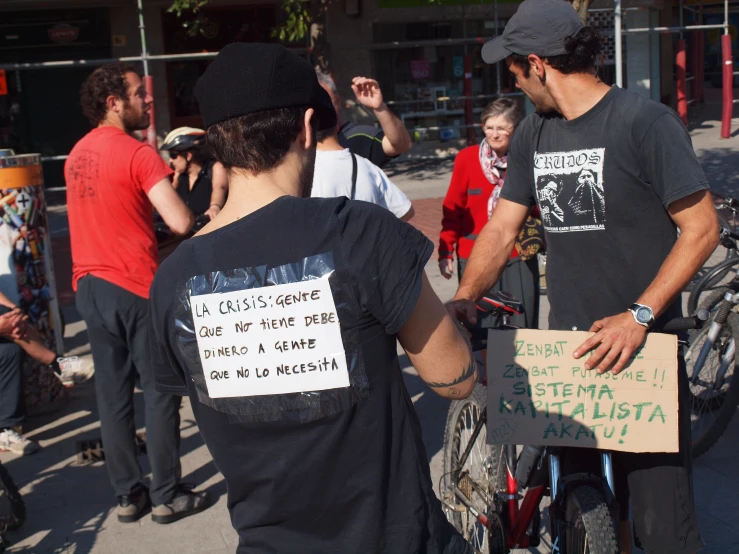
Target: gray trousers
117, 326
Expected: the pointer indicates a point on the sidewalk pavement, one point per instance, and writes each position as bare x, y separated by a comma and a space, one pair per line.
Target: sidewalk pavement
71, 506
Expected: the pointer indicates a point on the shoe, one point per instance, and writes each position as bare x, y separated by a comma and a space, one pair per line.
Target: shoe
132, 506
11, 441
186, 502
74, 371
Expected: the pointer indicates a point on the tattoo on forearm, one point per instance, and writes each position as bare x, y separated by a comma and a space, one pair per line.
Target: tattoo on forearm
466, 374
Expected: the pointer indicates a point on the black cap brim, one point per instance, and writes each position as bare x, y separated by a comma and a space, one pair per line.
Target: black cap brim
493, 51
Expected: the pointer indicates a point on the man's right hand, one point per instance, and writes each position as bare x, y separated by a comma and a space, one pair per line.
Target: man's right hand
446, 267
462, 310
12, 324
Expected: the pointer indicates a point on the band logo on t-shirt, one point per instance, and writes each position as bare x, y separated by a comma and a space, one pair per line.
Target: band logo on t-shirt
569, 190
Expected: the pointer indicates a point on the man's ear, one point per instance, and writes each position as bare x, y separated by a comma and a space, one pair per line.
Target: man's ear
189, 156
113, 103
307, 135
537, 67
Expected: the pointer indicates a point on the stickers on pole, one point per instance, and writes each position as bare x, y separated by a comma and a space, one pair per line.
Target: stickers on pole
279, 339
539, 394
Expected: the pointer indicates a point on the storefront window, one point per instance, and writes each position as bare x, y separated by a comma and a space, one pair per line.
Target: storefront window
425, 83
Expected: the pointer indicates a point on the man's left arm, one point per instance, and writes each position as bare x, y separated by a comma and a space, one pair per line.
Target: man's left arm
669, 161
397, 139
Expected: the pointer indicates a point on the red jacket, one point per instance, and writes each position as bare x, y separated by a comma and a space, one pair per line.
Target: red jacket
465, 207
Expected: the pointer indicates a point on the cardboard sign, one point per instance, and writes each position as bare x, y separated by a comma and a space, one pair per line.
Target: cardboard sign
539, 394
274, 340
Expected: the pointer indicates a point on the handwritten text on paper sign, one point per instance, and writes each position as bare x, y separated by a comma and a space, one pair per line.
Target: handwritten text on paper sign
273, 340
539, 394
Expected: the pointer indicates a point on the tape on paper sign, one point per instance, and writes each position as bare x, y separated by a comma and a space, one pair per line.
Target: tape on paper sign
282, 339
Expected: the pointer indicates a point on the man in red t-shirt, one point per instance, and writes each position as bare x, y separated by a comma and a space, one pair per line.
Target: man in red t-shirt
113, 180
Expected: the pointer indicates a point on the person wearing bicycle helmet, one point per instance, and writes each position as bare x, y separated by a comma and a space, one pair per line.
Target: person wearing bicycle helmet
200, 181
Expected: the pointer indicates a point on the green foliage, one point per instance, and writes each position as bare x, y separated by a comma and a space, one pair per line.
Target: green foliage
193, 24
296, 24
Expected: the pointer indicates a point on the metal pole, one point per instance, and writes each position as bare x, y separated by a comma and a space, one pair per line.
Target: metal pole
617, 43
681, 17
497, 65
142, 29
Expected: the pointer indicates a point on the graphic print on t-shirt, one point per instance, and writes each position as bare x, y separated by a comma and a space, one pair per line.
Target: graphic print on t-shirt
569, 190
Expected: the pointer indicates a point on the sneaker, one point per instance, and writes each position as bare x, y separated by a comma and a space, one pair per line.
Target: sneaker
186, 502
11, 441
132, 506
74, 370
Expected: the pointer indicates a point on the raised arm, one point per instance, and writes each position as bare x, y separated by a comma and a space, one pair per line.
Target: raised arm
397, 139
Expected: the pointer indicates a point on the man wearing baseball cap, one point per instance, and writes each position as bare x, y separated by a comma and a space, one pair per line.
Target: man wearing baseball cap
627, 180
279, 321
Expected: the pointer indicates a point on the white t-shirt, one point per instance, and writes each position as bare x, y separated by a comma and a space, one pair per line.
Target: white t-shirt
333, 178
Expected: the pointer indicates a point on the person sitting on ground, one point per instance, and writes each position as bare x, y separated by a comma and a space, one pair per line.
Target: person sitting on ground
316, 436
70, 370
339, 172
200, 181
378, 145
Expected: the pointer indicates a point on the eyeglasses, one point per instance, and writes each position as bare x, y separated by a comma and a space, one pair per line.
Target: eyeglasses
501, 130
174, 155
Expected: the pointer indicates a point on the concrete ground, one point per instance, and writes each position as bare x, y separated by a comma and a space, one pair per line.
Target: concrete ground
71, 506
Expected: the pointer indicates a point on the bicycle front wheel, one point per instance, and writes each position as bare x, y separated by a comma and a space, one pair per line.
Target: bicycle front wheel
713, 397
590, 526
480, 476
716, 278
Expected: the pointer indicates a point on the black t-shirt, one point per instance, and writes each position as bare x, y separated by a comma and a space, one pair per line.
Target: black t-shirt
317, 471
365, 141
197, 198
603, 183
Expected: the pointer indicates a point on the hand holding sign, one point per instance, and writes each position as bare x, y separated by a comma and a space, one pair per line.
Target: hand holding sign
616, 339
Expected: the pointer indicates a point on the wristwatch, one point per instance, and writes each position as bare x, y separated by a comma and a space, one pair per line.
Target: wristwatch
643, 315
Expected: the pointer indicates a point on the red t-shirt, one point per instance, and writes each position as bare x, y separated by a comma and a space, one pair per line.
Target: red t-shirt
108, 175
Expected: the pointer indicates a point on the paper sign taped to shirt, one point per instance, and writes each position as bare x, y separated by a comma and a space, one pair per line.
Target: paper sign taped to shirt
280, 339
539, 394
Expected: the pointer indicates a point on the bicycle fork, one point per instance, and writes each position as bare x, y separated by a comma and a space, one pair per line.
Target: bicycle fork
727, 358
606, 461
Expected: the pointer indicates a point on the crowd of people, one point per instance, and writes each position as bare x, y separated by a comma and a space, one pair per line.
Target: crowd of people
327, 455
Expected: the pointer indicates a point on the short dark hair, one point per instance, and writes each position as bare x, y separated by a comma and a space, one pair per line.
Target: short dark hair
258, 141
106, 80
323, 135
200, 154
583, 54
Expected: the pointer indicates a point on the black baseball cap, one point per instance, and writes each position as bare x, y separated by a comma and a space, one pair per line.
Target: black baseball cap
538, 27
249, 78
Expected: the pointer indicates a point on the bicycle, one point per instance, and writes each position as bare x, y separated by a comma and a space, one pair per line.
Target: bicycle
480, 484
715, 278
711, 365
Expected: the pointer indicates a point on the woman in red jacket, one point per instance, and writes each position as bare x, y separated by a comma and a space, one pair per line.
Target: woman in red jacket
477, 178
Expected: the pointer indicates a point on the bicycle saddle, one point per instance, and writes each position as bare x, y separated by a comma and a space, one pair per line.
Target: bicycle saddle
500, 302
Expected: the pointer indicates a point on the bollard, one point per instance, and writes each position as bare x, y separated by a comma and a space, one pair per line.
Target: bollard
728, 86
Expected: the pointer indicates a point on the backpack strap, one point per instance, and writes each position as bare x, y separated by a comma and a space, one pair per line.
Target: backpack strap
354, 175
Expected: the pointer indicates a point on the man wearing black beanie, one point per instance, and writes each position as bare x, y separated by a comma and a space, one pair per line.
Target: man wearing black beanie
279, 320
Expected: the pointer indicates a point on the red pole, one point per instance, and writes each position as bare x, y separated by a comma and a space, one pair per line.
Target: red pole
682, 99
469, 118
728, 86
151, 132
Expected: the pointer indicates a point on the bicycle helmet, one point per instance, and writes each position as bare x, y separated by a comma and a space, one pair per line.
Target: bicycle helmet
183, 139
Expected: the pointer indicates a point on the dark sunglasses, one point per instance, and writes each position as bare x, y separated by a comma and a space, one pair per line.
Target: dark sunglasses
174, 155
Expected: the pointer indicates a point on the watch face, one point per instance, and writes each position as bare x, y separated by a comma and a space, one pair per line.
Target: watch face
644, 315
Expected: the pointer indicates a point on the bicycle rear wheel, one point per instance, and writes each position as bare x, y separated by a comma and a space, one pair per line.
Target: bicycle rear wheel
712, 404
590, 526
483, 473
